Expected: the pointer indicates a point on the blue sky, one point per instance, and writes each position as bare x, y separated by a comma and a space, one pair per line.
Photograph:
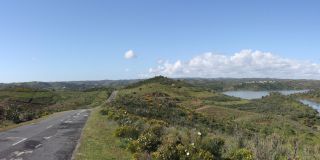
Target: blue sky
58, 40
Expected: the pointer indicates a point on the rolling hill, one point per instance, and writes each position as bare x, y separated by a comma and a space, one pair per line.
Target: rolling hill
170, 119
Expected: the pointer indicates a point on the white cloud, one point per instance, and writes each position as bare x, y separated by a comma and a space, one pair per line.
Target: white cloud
244, 64
129, 54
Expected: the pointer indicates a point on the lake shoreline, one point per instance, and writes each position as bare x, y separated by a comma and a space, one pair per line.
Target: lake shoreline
250, 95
310, 103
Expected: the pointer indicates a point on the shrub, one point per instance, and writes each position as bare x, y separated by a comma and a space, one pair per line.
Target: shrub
156, 129
203, 155
103, 111
14, 114
242, 154
2, 114
111, 115
167, 152
133, 146
177, 152
124, 143
127, 132
149, 142
213, 145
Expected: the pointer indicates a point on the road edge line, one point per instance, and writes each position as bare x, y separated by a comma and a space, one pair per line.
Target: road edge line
75, 151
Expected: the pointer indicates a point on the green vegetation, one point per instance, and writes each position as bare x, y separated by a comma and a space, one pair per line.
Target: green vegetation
98, 141
162, 118
313, 95
70, 85
19, 104
254, 84
277, 104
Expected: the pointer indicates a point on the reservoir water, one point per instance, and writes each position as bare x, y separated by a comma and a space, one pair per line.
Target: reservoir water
311, 104
259, 94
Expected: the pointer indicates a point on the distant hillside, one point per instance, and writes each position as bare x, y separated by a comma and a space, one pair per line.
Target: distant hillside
71, 85
19, 104
216, 84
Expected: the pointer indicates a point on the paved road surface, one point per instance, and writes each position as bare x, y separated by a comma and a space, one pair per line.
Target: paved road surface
52, 139
112, 96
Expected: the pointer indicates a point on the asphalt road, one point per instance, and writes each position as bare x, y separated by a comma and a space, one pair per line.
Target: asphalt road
54, 138
112, 97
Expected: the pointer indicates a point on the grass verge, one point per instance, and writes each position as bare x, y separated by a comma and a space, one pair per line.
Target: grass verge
98, 141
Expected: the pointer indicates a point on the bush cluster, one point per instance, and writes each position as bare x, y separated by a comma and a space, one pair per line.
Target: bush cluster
157, 127
157, 133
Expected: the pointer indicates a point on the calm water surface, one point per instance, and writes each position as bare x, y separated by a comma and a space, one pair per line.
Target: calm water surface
259, 94
312, 104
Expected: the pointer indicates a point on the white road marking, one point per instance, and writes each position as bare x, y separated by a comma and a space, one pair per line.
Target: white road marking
68, 121
19, 141
49, 126
39, 145
28, 151
17, 153
46, 138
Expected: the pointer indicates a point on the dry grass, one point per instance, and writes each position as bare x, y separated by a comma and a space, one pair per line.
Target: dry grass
223, 113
